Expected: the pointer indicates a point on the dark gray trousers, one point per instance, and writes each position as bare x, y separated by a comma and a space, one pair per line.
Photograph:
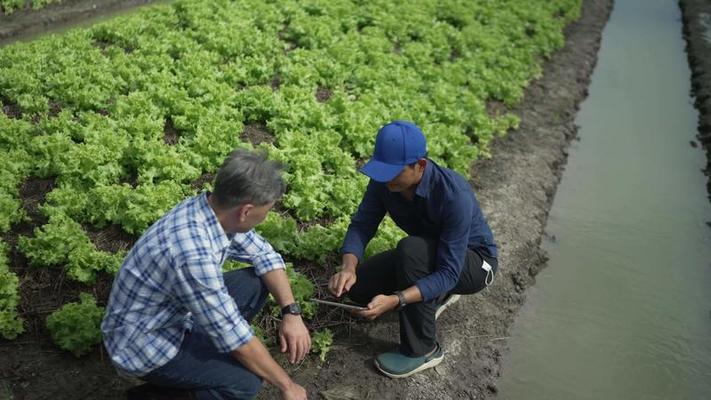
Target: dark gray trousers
397, 269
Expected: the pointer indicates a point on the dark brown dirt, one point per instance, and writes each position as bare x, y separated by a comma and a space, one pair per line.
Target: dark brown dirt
171, 136
202, 180
33, 192
257, 133
696, 16
515, 189
323, 94
276, 81
111, 238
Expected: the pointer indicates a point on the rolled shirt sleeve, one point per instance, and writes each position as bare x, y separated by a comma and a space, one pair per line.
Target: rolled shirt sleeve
451, 250
251, 248
201, 289
364, 223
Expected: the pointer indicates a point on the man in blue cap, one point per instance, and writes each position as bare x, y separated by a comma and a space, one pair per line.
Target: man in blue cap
449, 249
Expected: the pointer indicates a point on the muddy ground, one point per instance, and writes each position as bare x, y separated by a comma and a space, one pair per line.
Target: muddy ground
696, 16
515, 188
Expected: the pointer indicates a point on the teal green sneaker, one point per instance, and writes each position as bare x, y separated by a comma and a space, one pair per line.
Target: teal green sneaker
397, 365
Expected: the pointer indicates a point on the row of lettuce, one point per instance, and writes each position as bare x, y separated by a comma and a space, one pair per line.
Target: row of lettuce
10, 6
127, 116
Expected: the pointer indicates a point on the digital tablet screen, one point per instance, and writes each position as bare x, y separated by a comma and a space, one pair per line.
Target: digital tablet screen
342, 305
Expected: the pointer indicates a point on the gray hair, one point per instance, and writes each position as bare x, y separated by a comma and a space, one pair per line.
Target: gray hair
248, 177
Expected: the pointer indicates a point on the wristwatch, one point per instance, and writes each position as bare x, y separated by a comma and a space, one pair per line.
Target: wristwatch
401, 299
293, 308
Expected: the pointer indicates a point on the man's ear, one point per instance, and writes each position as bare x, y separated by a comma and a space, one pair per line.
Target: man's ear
243, 211
422, 163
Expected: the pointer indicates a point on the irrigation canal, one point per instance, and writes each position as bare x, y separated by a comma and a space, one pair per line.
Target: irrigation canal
623, 310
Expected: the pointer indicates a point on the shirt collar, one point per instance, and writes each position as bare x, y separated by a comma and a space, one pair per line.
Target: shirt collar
423, 188
217, 234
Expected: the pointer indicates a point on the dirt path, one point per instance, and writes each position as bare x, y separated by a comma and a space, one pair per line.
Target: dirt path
515, 189
24, 24
696, 16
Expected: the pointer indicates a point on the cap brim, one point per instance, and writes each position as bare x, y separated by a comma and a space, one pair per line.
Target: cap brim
380, 171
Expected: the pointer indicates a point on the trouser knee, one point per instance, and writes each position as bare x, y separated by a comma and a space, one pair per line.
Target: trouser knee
247, 388
413, 259
248, 290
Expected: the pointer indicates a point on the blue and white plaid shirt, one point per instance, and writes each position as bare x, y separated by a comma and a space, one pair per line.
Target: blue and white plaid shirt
171, 279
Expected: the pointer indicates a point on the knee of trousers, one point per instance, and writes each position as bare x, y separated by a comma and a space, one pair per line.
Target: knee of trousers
412, 258
358, 294
261, 294
249, 277
257, 291
246, 388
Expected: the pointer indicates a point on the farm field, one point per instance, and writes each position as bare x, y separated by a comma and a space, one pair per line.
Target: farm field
105, 128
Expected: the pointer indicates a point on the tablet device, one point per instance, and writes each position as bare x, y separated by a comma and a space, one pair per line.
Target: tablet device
342, 305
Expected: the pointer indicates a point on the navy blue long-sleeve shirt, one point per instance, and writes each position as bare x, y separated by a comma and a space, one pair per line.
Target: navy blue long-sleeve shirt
444, 208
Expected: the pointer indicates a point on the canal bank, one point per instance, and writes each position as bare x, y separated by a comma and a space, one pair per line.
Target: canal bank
696, 17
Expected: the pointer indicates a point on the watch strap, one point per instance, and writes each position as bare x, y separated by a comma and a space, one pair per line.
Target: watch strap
401, 299
292, 308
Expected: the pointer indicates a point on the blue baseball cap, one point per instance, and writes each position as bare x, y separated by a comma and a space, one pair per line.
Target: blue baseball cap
398, 144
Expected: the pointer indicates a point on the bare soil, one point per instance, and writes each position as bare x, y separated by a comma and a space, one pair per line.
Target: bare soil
515, 189
696, 17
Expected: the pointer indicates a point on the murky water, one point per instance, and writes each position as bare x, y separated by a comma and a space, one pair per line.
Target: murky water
623, 310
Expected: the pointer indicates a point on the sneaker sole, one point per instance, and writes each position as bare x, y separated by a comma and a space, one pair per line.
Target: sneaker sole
429, 364
453, 299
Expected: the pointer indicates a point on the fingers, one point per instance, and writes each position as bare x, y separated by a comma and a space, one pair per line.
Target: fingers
349, 284
336, 284
282, 342
298, 349
371, 313
302, 350
333, 284
348, 281
341, 283
305, 345
298, 345
293, 350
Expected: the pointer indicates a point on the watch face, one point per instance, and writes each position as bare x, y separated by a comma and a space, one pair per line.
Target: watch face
293, 308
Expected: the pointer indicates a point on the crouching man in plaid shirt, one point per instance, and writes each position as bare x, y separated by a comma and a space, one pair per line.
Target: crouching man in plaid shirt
176, 321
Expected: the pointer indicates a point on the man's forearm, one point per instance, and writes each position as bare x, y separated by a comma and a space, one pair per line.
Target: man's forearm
278, 284
349, 261
257, 359
412, 295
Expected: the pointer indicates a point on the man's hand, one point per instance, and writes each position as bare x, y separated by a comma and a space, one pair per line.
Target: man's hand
342, 281
294, 337
293, 392
379, 305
